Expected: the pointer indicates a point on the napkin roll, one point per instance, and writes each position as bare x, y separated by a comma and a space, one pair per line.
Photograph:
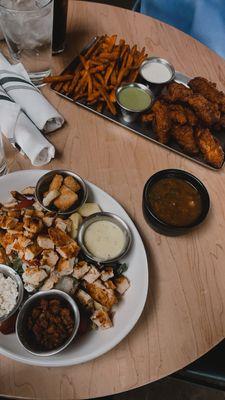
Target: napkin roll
16, 82
16, 125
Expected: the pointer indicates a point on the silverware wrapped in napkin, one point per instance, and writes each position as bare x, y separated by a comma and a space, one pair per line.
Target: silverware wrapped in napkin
15, 81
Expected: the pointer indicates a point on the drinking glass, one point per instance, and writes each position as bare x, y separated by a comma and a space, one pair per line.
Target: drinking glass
27, 28
3, 165
59, 26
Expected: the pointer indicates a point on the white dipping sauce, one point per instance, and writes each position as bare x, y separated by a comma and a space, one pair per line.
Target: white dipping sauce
104, 240
156, 72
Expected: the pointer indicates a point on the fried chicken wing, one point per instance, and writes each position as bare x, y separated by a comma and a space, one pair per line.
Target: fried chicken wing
208, 112
147, 117
177, 114
161, 122
184, 136
209, 147
209, 91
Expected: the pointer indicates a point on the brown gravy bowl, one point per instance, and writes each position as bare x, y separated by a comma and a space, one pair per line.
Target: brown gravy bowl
174, 202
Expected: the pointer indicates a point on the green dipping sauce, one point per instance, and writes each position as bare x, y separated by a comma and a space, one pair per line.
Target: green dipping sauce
134, 98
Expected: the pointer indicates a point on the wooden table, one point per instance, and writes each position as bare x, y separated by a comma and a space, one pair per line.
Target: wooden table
184, 315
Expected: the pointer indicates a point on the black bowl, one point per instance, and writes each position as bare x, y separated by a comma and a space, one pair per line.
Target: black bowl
162, 227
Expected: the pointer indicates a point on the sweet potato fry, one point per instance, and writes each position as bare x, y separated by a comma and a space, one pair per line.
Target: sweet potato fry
74, 82
108, 72
60, 78
85, 63
66, 86
90, 85
100, 78
98, 68
58, 86
113, 77
94, 96
81, 83
109, 104
112, 96
100, 106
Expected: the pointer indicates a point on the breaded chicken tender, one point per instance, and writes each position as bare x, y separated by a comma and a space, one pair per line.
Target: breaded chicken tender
208, 90
177, 114
210, 147
177, 92
204, 109
161, 122
184, 136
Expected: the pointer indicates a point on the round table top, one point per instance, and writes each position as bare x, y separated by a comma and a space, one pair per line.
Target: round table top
184, 314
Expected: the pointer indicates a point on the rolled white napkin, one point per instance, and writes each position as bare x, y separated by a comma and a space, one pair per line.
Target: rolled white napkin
16, 125
15, 81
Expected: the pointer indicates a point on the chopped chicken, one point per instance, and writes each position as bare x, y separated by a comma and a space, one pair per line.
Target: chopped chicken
45, 242
92, 275
50, 282
122, 284
101, 294
84, 299
49, 257
3, 256
34, 276
48, 220
70, 250
59, 237
8, 222
63, 224
33, 225
80, 269
32, 251
28, 191
109, 284
107, 274
101, 319
65, 267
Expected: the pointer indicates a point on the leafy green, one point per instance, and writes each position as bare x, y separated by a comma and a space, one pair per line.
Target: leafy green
121, 269
16, 264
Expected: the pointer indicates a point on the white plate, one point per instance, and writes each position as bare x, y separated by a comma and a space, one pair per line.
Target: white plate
128, 311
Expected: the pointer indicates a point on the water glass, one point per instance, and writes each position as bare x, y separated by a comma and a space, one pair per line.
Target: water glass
27, 28
3, 164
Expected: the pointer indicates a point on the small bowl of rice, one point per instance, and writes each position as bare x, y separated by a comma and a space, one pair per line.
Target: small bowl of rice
11, 292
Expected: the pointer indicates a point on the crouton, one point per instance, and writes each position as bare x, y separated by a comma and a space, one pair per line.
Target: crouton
50, 197
31, 224
72, 183
80, 269
101, 319
56, 182
66, 199
88, 209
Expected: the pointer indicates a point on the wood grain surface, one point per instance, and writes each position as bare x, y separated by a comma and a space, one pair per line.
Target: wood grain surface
184, 315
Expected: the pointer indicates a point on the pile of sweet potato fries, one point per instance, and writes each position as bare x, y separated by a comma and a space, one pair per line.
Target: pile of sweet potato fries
102, 69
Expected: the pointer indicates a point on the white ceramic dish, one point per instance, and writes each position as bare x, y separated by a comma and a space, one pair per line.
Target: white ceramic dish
96, 343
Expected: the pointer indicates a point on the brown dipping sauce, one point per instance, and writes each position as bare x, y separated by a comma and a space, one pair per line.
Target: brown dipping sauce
175, 201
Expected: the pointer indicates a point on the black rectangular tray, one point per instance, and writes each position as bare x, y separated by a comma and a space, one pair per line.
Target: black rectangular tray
138, 127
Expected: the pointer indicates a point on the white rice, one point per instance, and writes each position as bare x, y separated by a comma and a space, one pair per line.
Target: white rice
8, 294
